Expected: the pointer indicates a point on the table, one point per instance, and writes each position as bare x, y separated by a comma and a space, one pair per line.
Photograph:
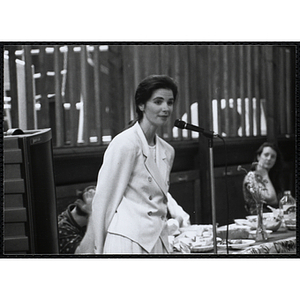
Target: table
283, 241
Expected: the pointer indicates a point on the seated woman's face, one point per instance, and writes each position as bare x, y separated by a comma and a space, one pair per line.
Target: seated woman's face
267, 159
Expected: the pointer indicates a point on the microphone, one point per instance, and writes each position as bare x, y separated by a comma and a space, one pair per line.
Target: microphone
183, 125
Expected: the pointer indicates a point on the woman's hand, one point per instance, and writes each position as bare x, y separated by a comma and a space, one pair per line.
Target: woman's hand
269, 193
263, 172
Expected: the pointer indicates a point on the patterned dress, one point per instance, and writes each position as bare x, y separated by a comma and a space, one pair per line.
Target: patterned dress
69, 232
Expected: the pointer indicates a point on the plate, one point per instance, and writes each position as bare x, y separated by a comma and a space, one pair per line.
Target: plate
243, 245
291, 226
202, 248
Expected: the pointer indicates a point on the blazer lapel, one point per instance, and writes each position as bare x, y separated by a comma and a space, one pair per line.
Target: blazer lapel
158, 171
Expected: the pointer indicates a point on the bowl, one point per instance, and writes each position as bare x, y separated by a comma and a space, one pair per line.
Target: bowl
290, 224
271, 222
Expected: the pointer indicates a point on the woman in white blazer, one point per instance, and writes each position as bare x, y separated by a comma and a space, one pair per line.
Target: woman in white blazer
129, 211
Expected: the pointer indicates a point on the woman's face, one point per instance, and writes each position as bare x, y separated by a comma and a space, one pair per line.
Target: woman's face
159, 107
267, 158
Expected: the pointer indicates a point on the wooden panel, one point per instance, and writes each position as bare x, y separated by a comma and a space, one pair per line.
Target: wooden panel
148, 56
270, 99
169, 65
116, 90
128, 83
216, 71
226, 91
13, 200
184, 81
235, 199
249, 88
233, 117
29, 88
14, 186
193, 74
70, 115
87, 119
185, 189
257, 94
242, 88
13, 155
59, 141
12, 143
98, 99
184, 176
44, 113
12, 171
289, 91
209, 89
14, 229
13, 85
15, 215
16, 244
180, 106
280, 91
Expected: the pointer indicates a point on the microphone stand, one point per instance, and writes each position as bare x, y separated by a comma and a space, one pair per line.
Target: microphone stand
212, 186
210, 135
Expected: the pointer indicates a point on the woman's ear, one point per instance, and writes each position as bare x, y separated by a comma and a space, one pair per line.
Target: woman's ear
142, 107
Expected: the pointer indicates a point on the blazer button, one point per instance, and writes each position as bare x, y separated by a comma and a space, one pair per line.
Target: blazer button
149, 213
149, 179
162, 217
165, 200
150, 197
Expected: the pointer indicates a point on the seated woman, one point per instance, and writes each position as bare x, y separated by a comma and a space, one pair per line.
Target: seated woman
267, 164
73, 221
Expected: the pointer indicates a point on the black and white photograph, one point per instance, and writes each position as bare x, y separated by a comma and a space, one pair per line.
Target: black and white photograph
169, 149
149, 150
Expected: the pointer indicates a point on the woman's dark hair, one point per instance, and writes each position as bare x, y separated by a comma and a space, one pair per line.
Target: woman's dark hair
150, 84
275, 172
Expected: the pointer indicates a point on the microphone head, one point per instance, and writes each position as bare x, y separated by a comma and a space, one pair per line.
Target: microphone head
179, 123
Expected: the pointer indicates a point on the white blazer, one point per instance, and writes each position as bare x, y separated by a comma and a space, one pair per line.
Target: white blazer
131, 194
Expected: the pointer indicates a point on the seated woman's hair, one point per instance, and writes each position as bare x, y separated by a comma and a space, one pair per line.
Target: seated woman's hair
82, 208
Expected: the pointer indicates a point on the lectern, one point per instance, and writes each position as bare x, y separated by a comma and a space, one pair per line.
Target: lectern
30, 216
